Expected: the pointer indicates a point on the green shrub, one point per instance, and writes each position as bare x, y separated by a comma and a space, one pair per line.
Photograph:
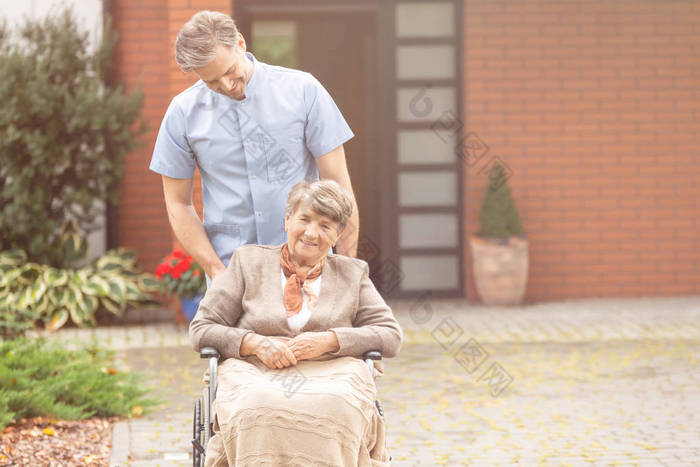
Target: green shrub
38, 378
14, 323
63, 134
31, 291
499, 216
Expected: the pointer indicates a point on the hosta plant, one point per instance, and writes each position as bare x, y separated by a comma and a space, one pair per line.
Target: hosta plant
41, 292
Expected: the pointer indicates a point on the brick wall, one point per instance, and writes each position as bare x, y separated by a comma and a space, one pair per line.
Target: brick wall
147, 31
594, 106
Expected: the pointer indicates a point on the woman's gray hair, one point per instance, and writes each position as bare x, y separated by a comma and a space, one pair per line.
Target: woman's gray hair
196, 42
325, 197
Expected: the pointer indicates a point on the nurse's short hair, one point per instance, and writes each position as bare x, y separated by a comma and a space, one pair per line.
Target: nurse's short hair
325, 197
196, 42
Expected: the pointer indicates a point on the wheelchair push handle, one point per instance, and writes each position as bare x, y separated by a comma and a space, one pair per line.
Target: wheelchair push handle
208, 352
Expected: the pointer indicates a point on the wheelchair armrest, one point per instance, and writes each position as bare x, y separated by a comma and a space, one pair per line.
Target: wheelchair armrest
208, 352
372, 355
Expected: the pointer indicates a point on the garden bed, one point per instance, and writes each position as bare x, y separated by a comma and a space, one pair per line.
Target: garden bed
47, 442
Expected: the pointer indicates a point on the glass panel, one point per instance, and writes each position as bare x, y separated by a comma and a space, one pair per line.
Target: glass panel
424, 147
429, 272
428, 189
425, 19
425, 104
428, 230
274, 42
425, 61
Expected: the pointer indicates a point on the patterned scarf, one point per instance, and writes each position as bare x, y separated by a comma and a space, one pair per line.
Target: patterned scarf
292, 296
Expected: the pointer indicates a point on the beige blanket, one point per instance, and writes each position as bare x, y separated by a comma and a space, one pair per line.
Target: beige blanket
318, 413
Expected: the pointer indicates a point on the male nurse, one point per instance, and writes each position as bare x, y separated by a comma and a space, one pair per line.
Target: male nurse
253, 130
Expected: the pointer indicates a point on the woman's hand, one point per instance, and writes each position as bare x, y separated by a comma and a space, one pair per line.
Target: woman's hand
272, 351
309, 345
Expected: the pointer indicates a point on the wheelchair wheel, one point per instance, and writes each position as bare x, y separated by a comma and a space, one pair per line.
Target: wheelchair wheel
196, 431
206, 417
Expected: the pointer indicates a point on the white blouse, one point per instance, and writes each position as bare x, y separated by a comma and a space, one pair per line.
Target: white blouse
296, 322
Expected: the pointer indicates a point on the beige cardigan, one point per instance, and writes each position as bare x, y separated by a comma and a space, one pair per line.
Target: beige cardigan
248, 297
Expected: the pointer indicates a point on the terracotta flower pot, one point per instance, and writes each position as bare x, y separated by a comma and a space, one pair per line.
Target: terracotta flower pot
500, 267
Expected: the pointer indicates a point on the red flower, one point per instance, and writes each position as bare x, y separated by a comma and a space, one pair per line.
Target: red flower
172, 269
160, 270
181, 267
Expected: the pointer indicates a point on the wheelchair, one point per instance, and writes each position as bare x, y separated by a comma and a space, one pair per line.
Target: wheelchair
203, 424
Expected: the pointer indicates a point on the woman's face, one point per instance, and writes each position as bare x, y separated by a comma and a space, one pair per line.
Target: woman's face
310, 235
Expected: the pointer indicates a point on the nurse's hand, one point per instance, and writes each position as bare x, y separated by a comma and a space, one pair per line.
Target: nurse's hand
216, 269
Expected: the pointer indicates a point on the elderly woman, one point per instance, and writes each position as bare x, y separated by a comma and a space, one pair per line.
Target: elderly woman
293, 322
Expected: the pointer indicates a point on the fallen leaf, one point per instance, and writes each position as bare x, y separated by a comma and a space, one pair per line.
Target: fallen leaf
109, 370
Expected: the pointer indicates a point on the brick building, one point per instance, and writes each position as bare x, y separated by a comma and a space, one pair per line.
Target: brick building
593, 106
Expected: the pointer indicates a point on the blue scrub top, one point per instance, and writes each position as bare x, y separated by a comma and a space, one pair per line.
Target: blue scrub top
250, 152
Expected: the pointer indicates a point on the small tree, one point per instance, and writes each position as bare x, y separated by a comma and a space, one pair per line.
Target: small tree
63, 134
499, 216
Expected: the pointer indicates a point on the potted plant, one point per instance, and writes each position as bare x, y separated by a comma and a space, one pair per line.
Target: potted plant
181, 276
500, 249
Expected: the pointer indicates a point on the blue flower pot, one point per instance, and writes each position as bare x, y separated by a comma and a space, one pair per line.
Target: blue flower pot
190, 306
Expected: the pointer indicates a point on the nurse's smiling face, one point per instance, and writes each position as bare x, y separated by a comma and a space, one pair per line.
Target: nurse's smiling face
229, 72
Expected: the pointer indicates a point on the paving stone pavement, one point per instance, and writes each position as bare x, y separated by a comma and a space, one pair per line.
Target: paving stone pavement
581, 382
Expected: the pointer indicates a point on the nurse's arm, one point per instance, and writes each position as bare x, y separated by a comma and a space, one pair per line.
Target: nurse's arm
187, 226
332, 165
